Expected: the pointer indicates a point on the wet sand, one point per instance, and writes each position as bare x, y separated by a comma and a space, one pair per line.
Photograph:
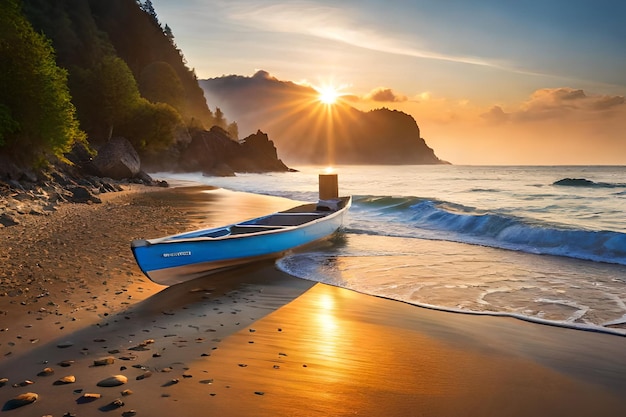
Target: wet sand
254, 341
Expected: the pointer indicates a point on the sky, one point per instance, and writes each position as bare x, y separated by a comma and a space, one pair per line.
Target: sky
489, 82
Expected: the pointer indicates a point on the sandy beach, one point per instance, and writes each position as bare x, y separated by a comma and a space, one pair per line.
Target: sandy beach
75, 311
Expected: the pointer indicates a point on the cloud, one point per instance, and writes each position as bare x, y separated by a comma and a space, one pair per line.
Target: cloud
383, 94
263, 75
558, 103
338, 24
495, 115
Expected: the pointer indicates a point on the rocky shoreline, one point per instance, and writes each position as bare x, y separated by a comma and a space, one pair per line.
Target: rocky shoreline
40, 198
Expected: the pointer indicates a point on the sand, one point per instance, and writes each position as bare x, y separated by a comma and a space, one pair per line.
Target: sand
253, 341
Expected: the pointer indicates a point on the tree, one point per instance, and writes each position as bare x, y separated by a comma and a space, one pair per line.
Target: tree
159, 83
168, 32
108, 93
149, 8
37, 116
151, 127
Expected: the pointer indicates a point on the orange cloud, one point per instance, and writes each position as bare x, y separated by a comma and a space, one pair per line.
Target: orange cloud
558, 103
386, 95
552, 126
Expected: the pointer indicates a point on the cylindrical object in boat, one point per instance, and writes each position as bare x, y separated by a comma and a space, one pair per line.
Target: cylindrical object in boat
329, 186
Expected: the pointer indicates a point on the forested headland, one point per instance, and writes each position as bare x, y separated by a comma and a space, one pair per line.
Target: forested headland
76, 73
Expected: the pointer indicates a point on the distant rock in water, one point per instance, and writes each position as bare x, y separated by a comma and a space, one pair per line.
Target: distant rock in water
575, 182
583, 182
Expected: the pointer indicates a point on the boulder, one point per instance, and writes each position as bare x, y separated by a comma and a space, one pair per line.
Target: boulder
82, 194
117, 159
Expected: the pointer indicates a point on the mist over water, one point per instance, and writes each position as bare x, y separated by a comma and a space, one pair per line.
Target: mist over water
539, 243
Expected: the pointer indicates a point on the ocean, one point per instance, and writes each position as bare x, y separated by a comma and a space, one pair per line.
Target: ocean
539, 243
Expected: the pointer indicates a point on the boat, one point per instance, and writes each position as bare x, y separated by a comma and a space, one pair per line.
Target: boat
182, 257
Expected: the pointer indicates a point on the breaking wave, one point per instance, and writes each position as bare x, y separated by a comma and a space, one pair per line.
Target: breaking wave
441, 220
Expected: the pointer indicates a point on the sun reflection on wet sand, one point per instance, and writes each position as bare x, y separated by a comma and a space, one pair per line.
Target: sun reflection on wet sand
337, 352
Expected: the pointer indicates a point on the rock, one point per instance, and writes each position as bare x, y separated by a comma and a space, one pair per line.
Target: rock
69, 379
117, 159
113, 381
82, 194
574, 182
21, 400
7, 220
261, 154
146, 374
23, 383
113, 405
65, 344
117, 403
46, 372
213, 152
104, 361
88, 397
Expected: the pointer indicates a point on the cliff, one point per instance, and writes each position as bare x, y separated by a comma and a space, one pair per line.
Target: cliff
307, 131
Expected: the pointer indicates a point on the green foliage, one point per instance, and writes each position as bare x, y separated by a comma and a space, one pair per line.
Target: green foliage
106, 95
117, 90
36, 113
159, 83
124, 71
151, 126
8, 125
140, 40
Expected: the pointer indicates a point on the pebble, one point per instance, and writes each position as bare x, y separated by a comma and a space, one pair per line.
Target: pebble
145, 375
64, 345
113, 381
69, 379
171, 382
116, 403
104, 361
23, 383
88, 397
46, 372
65, 364
21, 400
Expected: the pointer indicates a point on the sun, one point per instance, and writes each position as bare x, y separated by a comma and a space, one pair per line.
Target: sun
328, 94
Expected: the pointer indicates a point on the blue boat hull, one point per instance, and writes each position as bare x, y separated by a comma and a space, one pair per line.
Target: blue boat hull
186, 256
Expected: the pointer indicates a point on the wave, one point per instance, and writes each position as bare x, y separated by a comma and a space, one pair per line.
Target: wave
441, 220
583, 182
